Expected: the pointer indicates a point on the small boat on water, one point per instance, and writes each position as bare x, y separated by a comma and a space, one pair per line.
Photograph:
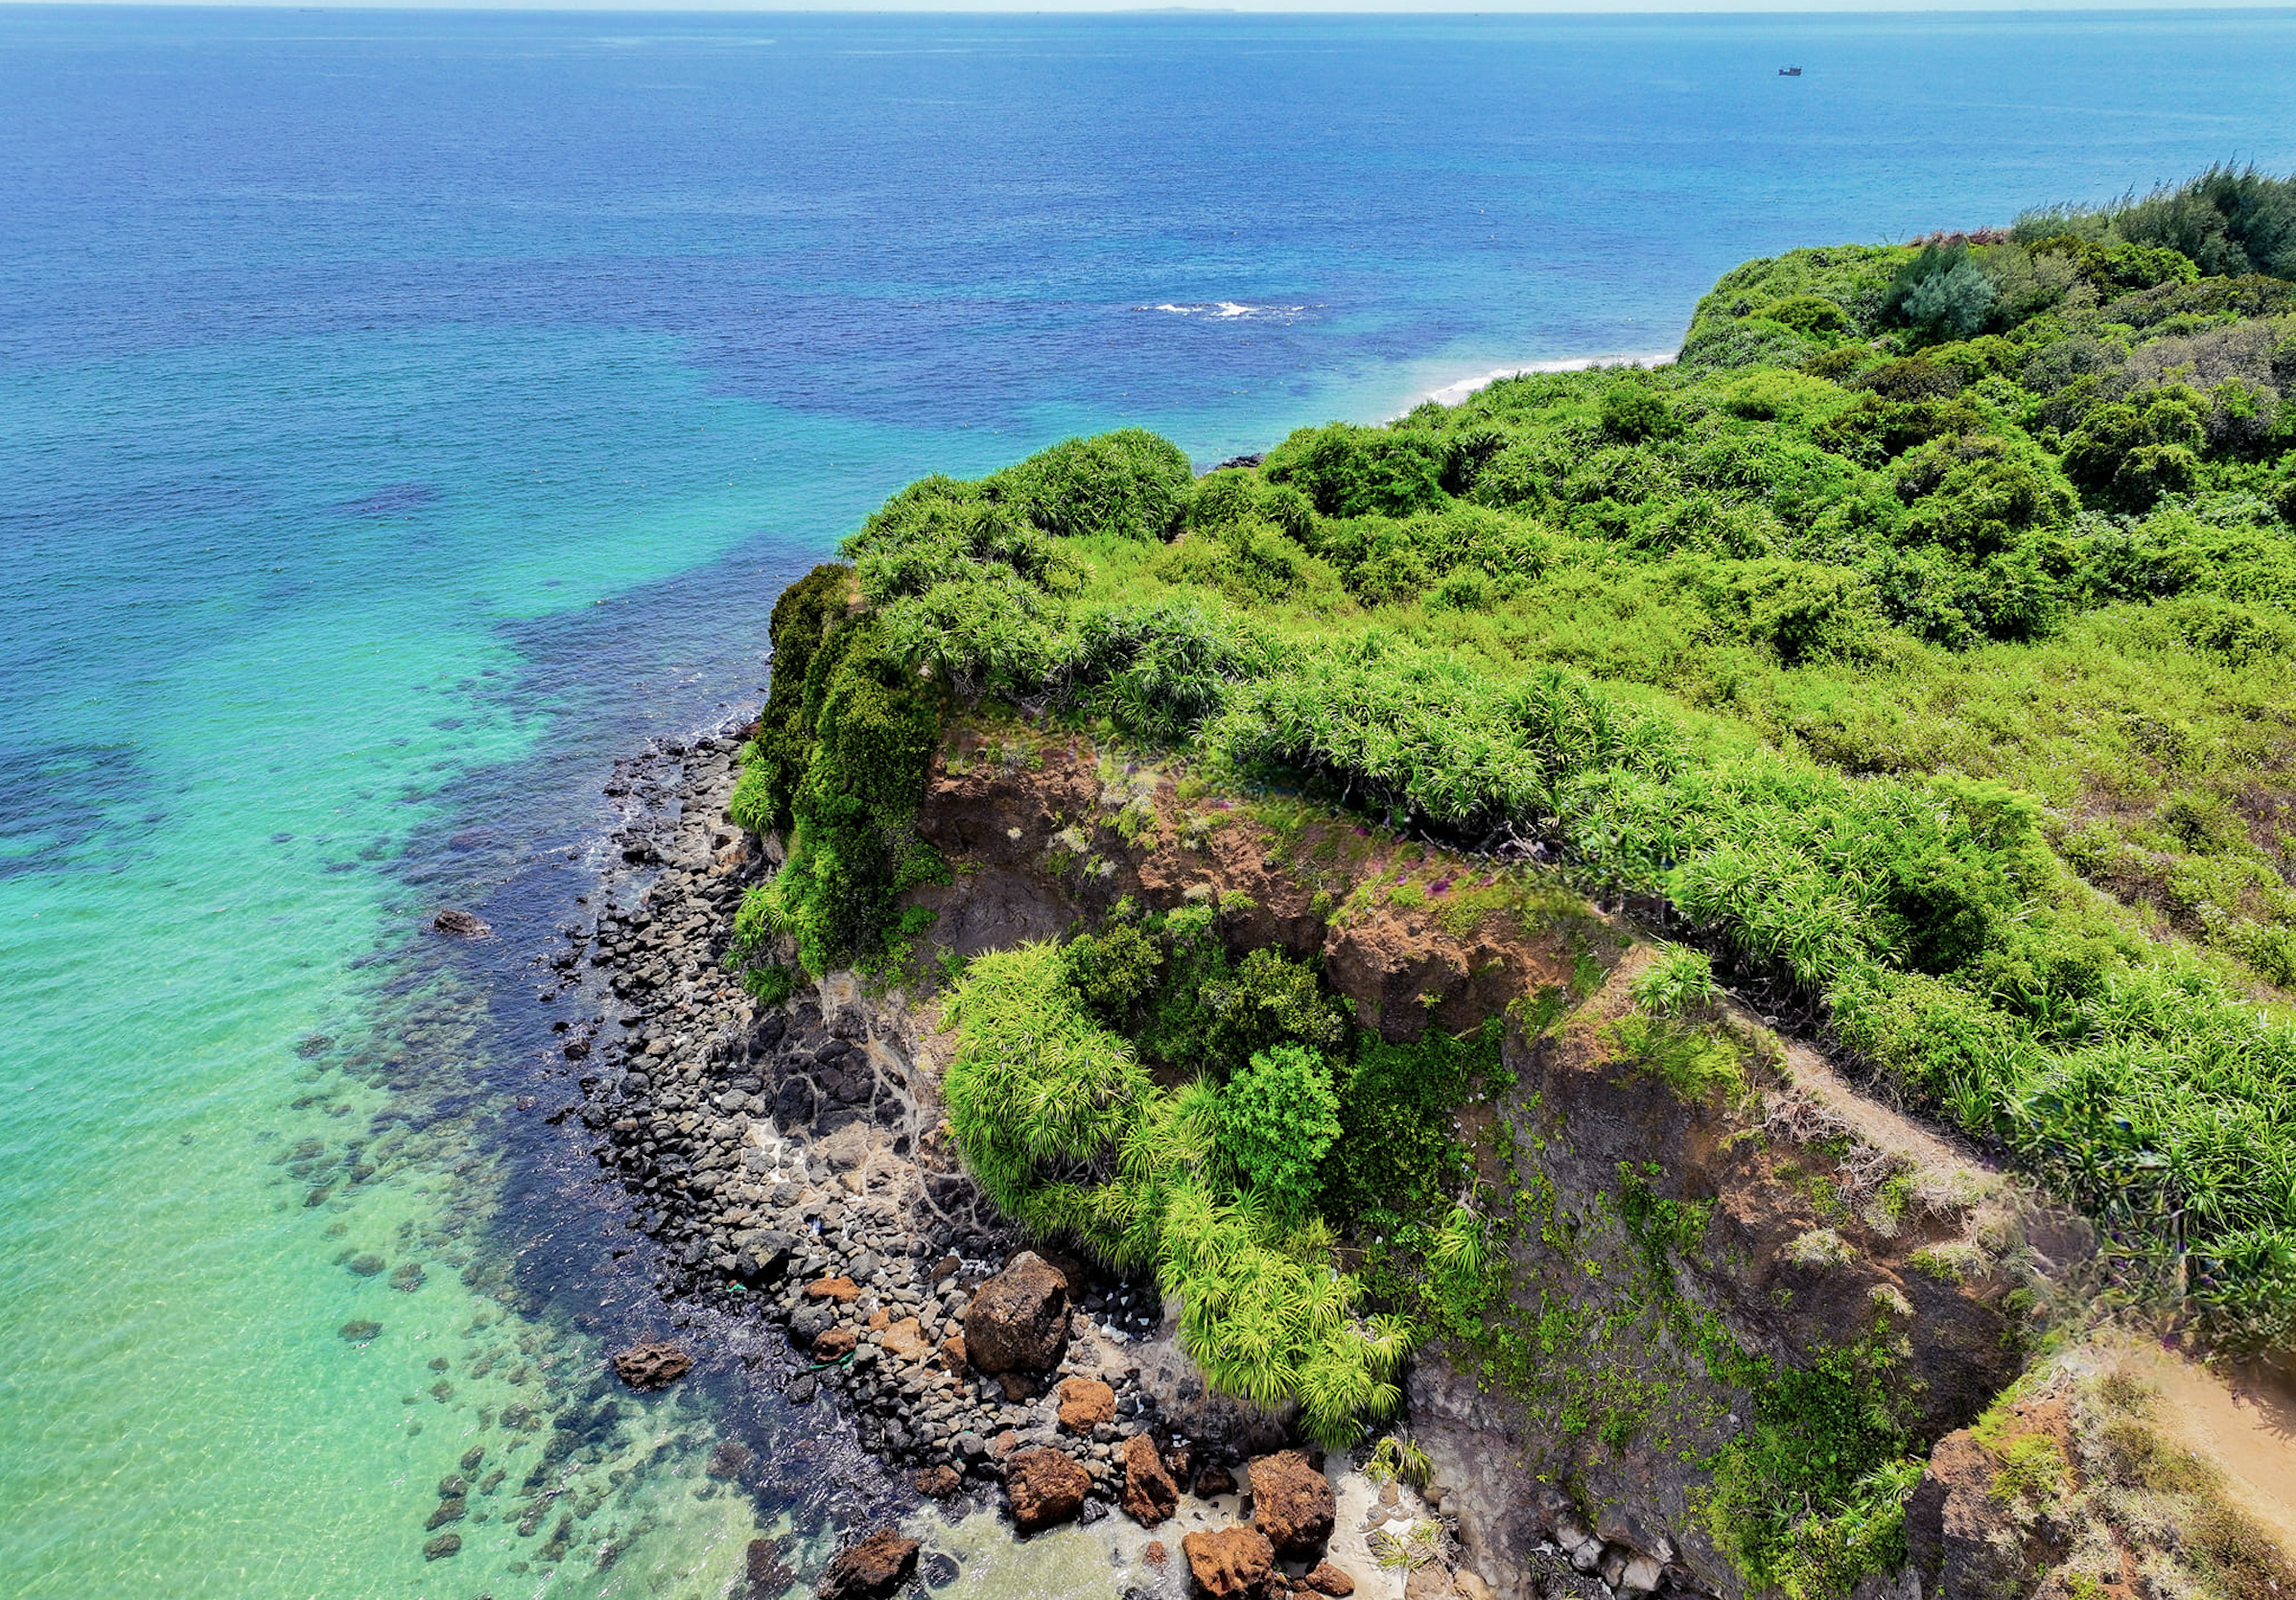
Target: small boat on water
1790, 72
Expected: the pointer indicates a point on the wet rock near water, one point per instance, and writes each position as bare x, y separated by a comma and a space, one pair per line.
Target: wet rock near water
870, 1570
655, 1364
1150, 1495
467, 924
1045, 1488
1230, 1561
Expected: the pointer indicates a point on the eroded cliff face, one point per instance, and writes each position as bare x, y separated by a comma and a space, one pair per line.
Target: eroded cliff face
1785, 1216
1795, 1219
1045, 836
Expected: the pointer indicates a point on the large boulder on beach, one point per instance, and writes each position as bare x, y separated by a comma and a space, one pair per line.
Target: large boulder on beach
1044, 1488
1232, 1562
871, 1570
1018, 1321
1292, 1503
1150, 1495
655, 1364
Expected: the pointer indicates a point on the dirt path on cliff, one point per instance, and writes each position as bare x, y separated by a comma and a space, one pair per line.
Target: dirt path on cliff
2246, 1425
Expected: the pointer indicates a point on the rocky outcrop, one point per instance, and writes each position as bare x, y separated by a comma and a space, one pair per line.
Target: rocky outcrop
1291, 1504
1150, 1495
1043, 1488
1966, 1538
1018, 1321
655, 1364
1230, 1561
1801, 1224
870, 1570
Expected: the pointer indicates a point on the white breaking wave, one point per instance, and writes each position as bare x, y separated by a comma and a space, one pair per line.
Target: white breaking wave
1451, 394
1225, 311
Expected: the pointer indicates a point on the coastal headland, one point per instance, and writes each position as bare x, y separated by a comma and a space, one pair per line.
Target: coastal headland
1665, 981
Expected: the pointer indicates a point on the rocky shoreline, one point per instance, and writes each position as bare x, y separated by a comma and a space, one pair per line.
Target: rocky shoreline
791, 1164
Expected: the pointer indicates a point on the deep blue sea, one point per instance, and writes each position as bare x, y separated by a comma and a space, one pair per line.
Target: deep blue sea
403, 414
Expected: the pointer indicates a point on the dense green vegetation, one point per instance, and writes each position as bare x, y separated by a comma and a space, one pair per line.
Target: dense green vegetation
1922, 634
1212, 1184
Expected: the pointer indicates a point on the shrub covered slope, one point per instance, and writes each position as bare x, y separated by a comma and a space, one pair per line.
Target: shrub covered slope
1923, 635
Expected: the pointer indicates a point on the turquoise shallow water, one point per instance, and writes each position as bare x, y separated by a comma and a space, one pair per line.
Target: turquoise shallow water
401, 415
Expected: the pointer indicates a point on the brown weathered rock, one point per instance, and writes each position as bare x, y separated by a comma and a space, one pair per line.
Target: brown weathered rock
939, 1483
1292, 1503
1432, 1582
655, 1364
1085, 1403
952, 1354
839, 1289
832, 1342
1150, 1495
1213, 1481
1153, 1553
1966, 1542
905, 1340
1044, 1488
1328, 1579
1234, 1561
1018, 1321
1017, 1386
871, 1570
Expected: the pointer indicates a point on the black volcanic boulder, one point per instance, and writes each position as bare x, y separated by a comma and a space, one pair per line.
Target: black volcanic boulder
1018, 1321
764, 1257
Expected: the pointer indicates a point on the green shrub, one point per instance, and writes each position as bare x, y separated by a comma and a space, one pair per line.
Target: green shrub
1070, 1135
1678, 982
1128, 485
1348, 471
1633, 411
1941, 292
1809, 314
1278, 1117
774, 762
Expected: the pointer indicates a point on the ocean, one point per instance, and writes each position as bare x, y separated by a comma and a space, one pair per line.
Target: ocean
403, 414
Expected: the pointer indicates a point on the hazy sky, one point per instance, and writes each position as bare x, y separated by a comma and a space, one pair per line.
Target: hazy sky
1451, 6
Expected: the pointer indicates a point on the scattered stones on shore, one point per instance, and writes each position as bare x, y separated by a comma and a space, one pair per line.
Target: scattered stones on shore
655, 1364
792, 1166
870, 1570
